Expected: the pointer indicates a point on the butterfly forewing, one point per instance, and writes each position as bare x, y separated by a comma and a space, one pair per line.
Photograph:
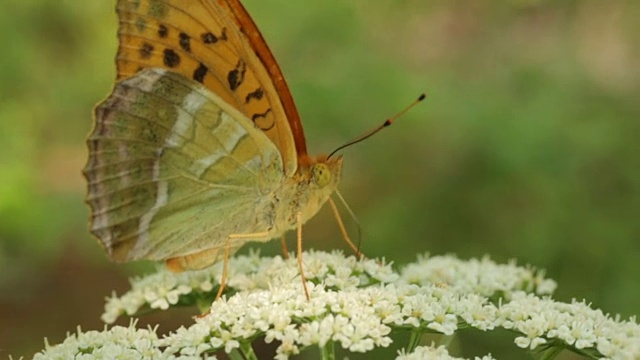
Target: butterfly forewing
200, 141
205, 40
173, 169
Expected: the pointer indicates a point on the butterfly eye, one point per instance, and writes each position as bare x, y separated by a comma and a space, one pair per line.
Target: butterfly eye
321, 174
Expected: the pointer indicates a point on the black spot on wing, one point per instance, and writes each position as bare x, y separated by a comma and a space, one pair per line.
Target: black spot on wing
257, 117
211, 38
200, 72
171, 58
146, 50
163, 31
256, 94
185, 42
236, 76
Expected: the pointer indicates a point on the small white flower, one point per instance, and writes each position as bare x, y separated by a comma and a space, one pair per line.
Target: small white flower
433, 353
311, 334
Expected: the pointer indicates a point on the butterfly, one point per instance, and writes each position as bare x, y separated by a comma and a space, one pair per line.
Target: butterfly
199, 147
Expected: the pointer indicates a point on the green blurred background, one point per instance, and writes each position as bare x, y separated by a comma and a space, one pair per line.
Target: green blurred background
527, 147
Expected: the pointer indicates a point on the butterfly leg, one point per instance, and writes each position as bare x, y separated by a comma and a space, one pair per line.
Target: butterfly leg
227, 252
343, 230
299, 252
285, 250
223, 279
208, 257
225, 262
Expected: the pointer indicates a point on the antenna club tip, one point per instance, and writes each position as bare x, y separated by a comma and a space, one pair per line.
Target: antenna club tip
422, 96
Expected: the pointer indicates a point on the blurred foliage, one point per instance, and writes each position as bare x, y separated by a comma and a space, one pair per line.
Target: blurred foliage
526, 148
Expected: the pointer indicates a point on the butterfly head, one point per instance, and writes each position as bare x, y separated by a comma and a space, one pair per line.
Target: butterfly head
326, 173
322, 175
314, 182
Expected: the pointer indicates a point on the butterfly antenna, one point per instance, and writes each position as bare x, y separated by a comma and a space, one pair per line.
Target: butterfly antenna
386, 123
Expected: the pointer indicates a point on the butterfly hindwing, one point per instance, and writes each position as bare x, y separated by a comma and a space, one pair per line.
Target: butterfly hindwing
172, 167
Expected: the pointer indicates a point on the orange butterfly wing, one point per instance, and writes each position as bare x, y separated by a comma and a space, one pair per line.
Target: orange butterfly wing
216, 43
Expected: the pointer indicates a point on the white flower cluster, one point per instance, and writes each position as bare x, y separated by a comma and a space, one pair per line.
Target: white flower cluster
163, 288
543, 320
356, 305
116, 343
284, 315
434, 353
483, 277
359, 319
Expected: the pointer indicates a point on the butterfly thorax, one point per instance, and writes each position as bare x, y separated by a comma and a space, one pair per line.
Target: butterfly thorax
304, 193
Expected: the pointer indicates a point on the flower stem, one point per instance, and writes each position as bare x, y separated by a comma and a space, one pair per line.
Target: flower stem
235, 355
414, 340
327, 352
247, 351
551, 353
